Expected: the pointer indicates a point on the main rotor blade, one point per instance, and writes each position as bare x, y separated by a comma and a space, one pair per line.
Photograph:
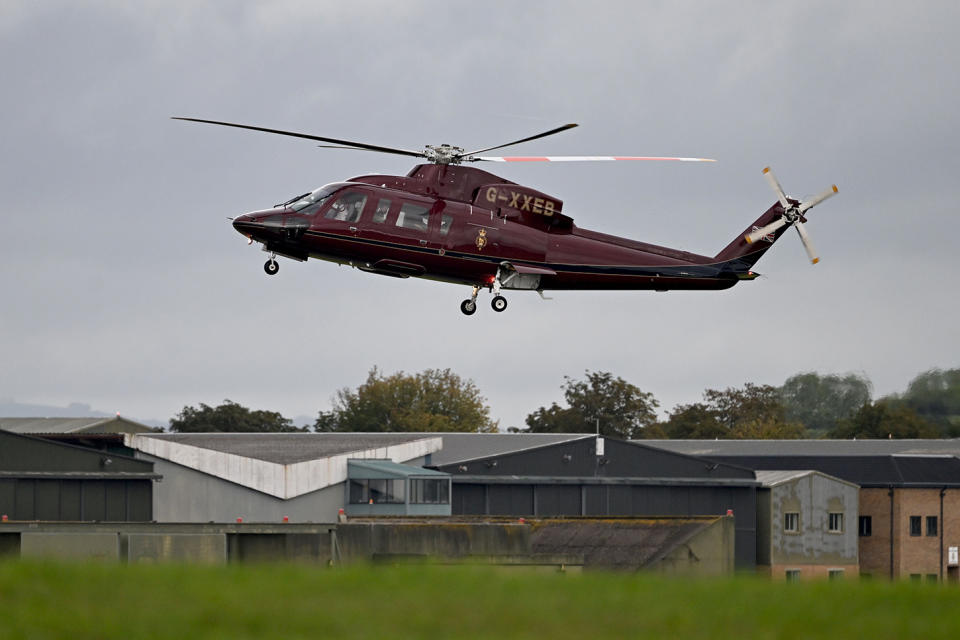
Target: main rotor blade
812, 202
775, 185
357, 145
584, 158
753, 236
805, 239
539, 135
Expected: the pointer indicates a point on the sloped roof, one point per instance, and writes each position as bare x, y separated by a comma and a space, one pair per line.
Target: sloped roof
866, 471
284, 465
289, 448
112, 424
388, 469
616, 543
949, 446
462, 447
778, 477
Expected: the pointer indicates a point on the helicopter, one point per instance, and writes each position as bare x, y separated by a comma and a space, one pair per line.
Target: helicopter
453, 223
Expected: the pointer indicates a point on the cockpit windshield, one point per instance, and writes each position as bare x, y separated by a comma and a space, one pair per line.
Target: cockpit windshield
314, 199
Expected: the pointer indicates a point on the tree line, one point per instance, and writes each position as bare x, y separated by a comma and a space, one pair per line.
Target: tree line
807, 405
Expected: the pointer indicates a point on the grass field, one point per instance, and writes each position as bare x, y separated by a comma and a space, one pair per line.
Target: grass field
276, 601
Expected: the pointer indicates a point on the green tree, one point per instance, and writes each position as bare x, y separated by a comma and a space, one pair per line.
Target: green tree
434, 400
229, 417
751, 412
696, 421
623, 410
820, 402
884, 419
935, 396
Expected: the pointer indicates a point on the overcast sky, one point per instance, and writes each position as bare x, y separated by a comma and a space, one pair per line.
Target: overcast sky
124, 287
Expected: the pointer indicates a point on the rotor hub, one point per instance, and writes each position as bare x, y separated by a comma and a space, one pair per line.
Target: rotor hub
443, 154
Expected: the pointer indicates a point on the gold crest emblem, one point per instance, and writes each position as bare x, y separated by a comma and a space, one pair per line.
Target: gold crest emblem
481, 239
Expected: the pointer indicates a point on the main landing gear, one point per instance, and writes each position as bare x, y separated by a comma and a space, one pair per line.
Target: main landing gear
469, 306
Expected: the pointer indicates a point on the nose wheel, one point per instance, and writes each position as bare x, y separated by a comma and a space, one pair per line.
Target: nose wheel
271, 267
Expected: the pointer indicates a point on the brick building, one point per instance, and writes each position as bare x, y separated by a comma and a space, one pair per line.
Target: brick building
908, 524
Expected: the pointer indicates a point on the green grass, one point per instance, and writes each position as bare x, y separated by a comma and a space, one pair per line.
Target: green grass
277, 601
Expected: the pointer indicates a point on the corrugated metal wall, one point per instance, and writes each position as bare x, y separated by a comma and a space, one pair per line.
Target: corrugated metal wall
124, 500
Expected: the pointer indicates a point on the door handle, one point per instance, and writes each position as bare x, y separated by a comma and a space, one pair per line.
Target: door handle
423, 242
353, 229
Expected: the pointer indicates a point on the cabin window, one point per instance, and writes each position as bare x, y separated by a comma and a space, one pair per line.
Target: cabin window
445, 223
347, 207
383, 208
414, 216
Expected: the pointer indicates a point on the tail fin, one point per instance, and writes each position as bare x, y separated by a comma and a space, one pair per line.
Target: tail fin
741, 255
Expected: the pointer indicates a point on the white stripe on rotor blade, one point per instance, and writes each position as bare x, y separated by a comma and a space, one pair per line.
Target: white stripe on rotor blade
587, 158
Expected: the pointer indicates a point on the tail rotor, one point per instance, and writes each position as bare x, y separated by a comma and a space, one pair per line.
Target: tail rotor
793, 215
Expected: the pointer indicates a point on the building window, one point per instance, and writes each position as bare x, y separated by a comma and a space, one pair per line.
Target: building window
866, 526
835, 574
429, 491
932, 577
916, 577
931, 525
793, 575
915, 525
376, 491
835, 523
791, 522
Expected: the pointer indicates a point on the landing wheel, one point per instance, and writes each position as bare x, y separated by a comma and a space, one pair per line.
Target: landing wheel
468, 307
271, 266
499, 303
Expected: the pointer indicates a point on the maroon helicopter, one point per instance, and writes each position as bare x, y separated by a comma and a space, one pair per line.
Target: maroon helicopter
452, 223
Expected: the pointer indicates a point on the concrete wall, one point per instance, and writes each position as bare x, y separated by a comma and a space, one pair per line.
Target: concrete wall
195, 548
814, 496
370, 541
186, 495
74, 546
709, 553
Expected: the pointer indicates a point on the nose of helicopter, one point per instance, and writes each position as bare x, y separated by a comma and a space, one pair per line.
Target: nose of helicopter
245, 224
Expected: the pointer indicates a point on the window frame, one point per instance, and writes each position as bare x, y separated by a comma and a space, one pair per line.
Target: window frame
835, 522
916, 531
865, 532
795, 520
932, 531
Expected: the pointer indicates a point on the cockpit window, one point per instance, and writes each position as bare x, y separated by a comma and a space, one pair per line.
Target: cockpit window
314, 199
347, 207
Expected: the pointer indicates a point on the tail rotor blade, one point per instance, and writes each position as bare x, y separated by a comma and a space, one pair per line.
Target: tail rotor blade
809, 204
805, 239
775, 185
753, 236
